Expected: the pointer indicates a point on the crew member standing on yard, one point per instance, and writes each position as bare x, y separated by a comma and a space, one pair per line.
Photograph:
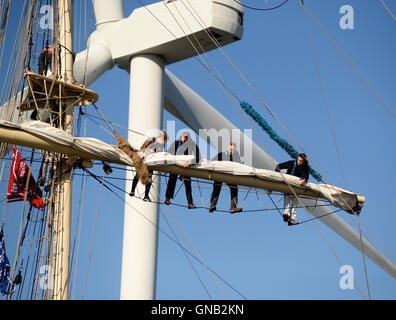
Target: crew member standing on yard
187, 147
298, 168
230, 155
151, 145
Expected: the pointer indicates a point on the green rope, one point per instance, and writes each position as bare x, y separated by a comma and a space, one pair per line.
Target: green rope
274, 136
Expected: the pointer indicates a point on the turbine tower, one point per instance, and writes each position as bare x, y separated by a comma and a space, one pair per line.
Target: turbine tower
143, 44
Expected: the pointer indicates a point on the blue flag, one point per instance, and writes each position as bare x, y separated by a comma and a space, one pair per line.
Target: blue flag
6, 285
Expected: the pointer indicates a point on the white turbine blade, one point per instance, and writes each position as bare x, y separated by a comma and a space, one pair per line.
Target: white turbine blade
9, 111
334, 222
90, 64
190, 108
194, 111
108, 11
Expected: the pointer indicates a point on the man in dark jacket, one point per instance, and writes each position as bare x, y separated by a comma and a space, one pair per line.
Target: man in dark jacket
44, 68
45, 60
298, 168
151, 145
184, 146
230, 155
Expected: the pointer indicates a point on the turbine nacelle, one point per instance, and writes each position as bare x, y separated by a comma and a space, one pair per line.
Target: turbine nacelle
174, 30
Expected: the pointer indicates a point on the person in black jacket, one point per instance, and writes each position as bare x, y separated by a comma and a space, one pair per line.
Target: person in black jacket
298, 168
44, 68
230, 155
45, 60
187, 147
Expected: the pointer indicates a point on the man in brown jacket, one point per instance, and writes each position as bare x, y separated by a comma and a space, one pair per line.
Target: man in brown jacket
151, 145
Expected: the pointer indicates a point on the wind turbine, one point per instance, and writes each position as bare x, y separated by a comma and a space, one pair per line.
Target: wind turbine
143, 44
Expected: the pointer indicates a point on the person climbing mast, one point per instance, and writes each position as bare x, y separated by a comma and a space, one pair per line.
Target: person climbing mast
298, 168
45, 61
44, 68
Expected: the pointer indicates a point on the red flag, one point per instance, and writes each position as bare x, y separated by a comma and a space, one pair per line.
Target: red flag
17, 182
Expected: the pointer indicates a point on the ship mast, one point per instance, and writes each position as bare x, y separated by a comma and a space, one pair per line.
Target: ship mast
62, 217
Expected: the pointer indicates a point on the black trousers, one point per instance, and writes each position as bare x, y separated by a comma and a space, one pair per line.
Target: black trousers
216, 194
135, 182
170, 189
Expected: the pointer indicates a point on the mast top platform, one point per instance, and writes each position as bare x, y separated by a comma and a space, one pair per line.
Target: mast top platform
43, 88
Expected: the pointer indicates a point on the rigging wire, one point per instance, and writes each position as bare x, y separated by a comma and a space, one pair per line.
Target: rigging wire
4, 29
322, 90
335, 142
76, 240
332, 249
212, 69
15, 63
4, 20
297, 197
348, 60
387, 9
184, 252
215, 41
106, 185
219, 46
115, 124
93, 238
210, 182
183, 31
221, 83
103, 118
20, 236
222, 50
262, 9
88, 45
186, 255
364, 259
192, 246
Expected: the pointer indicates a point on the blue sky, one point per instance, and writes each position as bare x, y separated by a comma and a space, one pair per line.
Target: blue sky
255, 252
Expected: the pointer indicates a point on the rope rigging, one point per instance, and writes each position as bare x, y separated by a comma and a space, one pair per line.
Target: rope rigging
273, 133
274, 136
262, 9
106, 185
353, 66
121, 189
302, 3
109, 186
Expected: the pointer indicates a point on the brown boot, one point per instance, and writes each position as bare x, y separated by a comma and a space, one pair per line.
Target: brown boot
212, 208
234, 210
191, 206
292, 222
167, 201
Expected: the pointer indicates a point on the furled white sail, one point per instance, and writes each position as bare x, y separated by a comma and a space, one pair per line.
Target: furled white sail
223, 171
240, 174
